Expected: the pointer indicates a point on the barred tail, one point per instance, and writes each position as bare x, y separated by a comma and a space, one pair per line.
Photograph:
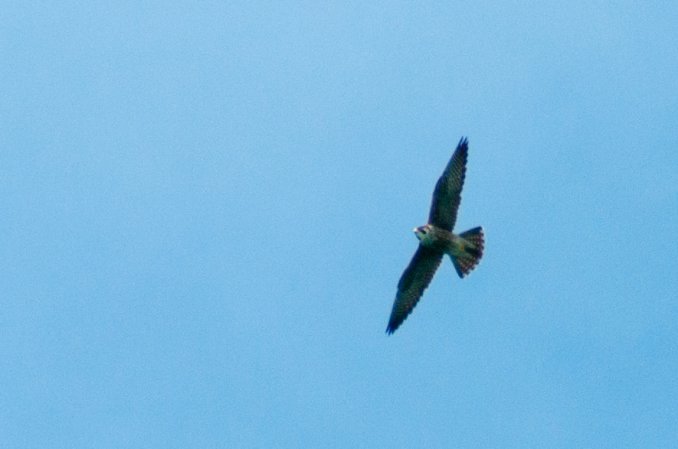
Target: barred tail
472, 251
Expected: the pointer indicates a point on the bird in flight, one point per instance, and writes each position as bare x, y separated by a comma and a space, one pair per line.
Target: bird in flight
437, 239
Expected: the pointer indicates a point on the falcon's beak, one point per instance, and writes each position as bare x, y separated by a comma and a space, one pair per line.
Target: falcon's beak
415, 230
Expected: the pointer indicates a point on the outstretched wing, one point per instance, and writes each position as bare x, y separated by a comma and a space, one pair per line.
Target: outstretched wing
447, 194
413, 282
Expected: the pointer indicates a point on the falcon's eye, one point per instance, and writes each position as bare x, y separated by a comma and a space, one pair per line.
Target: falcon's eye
423, 230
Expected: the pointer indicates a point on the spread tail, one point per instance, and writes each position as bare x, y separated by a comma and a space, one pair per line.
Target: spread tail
472, 251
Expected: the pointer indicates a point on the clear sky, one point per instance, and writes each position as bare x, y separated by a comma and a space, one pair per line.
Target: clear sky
206, 208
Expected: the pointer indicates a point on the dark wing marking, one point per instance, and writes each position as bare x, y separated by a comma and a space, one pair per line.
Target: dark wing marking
447, 194
413, 282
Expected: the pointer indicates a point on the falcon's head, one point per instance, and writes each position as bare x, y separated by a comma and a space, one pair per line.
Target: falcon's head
423, 232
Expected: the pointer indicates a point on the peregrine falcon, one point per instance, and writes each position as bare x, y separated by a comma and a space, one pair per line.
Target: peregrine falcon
436, 239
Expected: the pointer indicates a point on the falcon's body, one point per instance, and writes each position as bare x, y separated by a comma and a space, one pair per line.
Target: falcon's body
442, 240
437, 239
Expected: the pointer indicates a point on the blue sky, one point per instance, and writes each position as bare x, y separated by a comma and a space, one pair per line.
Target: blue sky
207, 207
